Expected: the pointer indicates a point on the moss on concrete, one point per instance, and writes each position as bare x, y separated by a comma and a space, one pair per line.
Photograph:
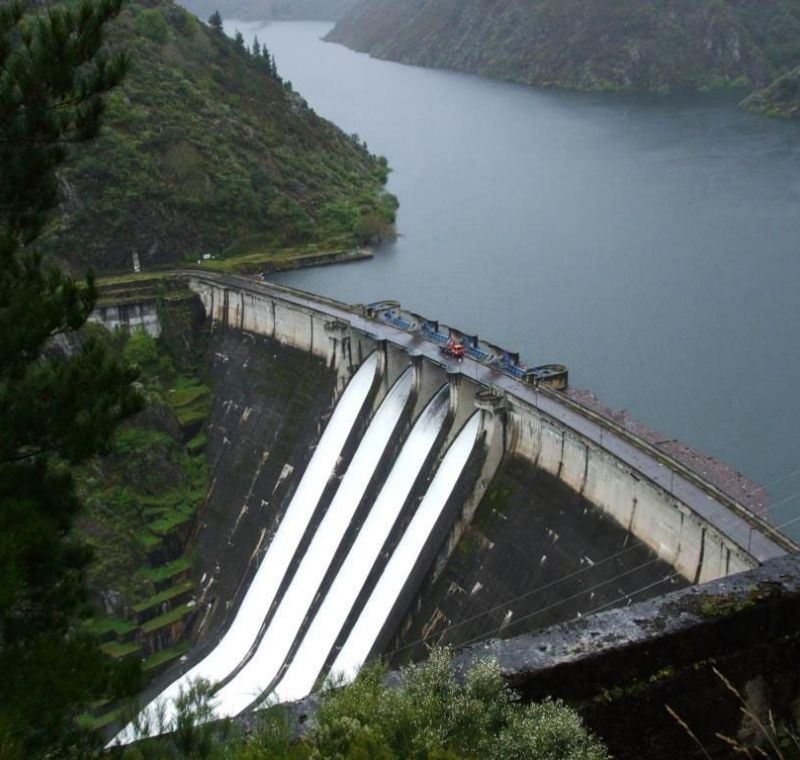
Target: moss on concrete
164, 596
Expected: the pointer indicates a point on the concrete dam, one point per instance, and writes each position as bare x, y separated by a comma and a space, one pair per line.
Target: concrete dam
408, 498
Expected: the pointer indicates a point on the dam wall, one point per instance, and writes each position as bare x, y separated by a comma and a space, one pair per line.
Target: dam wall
135, 315
288, 323
689, 526
697, 549
617, 510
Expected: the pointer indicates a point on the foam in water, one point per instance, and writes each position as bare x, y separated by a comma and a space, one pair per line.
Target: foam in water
243, 632
321, 636
258, 673
376, 611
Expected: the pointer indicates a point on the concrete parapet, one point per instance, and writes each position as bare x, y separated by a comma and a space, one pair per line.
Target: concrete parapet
698, 550
136, 315
621, 668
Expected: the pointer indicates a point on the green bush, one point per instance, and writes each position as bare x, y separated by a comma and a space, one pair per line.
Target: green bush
151, 23
433, 717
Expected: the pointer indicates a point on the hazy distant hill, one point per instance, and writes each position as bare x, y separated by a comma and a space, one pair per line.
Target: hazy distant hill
585, 44
257, 10
202, 148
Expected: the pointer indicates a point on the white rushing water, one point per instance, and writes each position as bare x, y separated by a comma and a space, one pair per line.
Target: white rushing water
257, 674
376, 611
234, 646
321, 636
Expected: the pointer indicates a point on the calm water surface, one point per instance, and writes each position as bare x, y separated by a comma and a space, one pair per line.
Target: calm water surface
650, 243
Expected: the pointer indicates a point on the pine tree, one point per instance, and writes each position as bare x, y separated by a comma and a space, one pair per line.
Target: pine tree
256, 47
215, 22
239, 40
56, 407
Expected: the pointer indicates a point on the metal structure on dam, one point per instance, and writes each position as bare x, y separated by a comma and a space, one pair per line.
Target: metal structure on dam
413, 444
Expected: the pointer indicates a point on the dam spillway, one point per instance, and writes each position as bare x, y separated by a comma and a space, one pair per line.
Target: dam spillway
362, 638
682, 528
257, 674
309, 660
243, 632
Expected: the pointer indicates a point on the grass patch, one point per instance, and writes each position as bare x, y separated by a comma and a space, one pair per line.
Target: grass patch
190, 400
162, 572
165, 655
134, 439
167, 618
117, 650
186, 393
164, 596
147, 540
197, 444
95, 723
103, 625
171, 520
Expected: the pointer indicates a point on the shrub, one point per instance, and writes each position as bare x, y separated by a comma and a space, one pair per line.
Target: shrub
434, 716
151, 23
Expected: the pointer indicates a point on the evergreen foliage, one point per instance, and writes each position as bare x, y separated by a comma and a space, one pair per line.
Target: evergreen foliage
215, 22
432, 715
429, 715
60, 399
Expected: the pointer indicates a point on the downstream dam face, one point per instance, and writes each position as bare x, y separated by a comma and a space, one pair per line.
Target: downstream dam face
431, 497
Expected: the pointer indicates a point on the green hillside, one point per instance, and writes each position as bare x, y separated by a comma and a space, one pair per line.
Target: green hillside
636, 45
203, 149
780, 99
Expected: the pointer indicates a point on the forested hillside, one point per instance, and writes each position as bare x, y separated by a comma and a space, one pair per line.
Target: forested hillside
637, 45
204, 147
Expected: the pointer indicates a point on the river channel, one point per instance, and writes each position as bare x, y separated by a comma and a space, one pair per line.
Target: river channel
651, 243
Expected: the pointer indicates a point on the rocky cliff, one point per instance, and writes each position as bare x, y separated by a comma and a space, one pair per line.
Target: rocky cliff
655, 45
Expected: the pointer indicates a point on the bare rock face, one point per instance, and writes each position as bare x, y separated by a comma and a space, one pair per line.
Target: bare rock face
637, 45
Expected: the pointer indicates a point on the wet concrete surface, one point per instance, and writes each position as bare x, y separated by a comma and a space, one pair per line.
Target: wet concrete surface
537, 553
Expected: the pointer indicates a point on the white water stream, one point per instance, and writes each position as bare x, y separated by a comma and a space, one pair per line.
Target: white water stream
258, 672
237, 641
376, 611
309, 659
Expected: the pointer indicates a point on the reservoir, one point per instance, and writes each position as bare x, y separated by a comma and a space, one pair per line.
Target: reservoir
651, 243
